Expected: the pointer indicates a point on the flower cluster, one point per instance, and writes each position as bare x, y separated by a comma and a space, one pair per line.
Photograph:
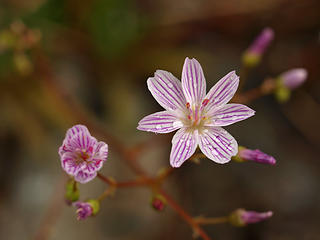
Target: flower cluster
81, 154
198, 116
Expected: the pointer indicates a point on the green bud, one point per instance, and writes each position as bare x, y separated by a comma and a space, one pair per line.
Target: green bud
95, 206
250, 60
72, 191
235, 218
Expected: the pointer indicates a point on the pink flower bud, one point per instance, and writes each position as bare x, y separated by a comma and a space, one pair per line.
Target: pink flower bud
84, 210
294, 78
260, 44
158, 203
242, 217
256, 156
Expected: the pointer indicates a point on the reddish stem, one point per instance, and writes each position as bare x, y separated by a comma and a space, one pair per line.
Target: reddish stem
184, 215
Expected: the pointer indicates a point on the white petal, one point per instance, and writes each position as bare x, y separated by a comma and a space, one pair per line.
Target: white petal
193, 81
217, 144
229, 114
222, 91
184, 144
160, 122
166, 89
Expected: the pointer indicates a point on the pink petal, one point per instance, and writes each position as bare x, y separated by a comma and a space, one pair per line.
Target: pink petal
101, 151
160, 122
166, 89
229, 114
193, 81
69, 163
75, 130
184, 144
83, 177
82, 140
99, 157
222, 91
217, 144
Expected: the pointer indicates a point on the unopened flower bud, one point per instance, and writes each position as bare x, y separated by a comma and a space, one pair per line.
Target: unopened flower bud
245, 154
84, 210
293, 78
72, 192
158, 202
242, 217
255, 51
87, 209
288, 81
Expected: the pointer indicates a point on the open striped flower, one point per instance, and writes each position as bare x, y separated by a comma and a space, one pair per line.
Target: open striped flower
81, 154
197, 115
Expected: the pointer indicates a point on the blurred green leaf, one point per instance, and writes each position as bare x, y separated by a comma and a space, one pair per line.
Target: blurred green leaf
52, 11
114, 25
6, 65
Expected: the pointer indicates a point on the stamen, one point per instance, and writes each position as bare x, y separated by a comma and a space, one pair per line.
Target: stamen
188, 105
205, 102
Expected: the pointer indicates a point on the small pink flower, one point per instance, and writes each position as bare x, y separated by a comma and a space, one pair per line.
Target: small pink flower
260, 44
84, 210
81, 154
197, 115
294, 78
256, 156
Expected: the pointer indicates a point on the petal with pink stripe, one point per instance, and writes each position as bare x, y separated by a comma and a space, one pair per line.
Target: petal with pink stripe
70, 163
229, 114
222, 92
217, 144
69, 135
193, 81
166, 89
75, 130
184, 144
84, 177
160, 122
82, 140
101, 151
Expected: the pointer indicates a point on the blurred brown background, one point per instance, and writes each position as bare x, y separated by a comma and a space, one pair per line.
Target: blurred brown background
98, 56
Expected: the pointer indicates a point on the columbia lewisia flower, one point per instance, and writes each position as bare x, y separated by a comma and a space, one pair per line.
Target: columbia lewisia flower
81, 154
198, 116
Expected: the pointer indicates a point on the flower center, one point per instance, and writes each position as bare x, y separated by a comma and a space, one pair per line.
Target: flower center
83, 155
196, 115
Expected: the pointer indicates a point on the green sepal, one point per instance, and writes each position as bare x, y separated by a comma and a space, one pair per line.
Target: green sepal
95, 206
72, 191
